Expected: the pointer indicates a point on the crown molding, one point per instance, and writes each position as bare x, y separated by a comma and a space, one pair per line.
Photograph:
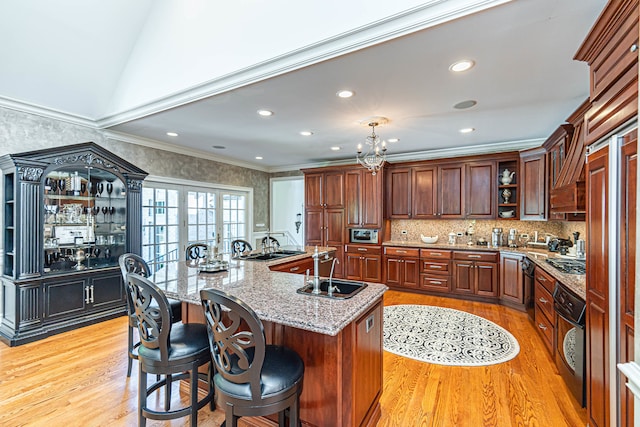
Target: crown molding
158, 145
415, 19
39, 110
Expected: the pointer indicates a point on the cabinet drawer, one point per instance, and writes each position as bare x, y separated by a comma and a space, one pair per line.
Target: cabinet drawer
435, 283
477, 256
361, 249
545, 279
433, 267
545, 328
435, 254
544, 301
402, 252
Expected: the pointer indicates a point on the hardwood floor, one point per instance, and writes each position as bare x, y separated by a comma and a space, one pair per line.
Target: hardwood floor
79, 379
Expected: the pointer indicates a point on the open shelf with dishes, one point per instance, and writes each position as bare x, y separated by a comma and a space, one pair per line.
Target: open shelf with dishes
69, 213
508, 190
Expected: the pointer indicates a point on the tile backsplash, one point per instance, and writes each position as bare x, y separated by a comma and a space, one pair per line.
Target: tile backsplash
482, 228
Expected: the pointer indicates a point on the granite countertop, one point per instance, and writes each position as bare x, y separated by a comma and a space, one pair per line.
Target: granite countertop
575, 282
272, 295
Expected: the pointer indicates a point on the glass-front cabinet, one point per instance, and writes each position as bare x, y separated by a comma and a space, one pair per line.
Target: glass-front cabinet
69, 213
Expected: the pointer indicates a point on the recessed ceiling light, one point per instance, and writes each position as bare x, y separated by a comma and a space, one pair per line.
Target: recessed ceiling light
219, 147
258, 157
172, 134
393, 139
265, 113
345, 94
467, 130
306, 133
462, 65
335, 148
465, 104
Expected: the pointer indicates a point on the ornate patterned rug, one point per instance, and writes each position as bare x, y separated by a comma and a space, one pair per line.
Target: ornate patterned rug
446, 336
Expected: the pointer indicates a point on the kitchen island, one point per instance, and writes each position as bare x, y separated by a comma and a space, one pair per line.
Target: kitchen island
340, 341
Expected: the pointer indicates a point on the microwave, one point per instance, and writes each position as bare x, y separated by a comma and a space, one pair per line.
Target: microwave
363, 235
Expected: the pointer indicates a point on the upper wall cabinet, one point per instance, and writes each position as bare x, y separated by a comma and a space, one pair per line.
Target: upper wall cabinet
324, 189
533, 187
363, 198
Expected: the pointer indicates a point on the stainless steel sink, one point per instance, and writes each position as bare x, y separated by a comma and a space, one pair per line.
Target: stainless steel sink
345, 289
270, 256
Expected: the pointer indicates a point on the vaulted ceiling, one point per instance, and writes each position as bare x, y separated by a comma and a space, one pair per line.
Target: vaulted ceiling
202, 69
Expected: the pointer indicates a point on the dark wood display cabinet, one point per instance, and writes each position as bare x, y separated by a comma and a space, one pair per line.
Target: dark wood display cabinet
508, 191
69, 213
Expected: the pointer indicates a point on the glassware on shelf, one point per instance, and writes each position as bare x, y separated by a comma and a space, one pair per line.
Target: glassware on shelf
100, 189
109, 188
112, 211
62, 184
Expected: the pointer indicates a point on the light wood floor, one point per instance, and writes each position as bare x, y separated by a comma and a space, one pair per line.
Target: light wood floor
79, 379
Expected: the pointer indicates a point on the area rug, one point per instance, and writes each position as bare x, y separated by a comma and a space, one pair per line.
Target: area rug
446, 336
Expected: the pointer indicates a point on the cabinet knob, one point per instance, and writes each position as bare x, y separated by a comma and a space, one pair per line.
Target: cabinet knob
542, 300
634, 48
541, 326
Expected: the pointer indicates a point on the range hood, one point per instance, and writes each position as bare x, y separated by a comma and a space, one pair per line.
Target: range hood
568, 195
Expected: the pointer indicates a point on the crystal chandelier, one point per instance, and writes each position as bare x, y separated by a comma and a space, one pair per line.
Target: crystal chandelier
376, 155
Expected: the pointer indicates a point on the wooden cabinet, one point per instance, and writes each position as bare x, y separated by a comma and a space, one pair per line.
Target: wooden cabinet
435, 271
533, 190
543, 311
363, 199
475, 273
363, 262
398, 193
296, 267
424, 192
324, 189
480, 190
402, 267
60, 266
451, 191
512, 280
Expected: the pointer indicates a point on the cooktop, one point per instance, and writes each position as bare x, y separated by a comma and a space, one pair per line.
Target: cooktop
569, 266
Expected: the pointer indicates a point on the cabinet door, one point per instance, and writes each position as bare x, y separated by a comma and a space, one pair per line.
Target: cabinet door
313, 189
393, 269
371, 200
533, 189
371, 268
398, 194
106, 290
65, 298
463, 277
367, 362
486, 280
451, 197
333, 190
480, 190
424, 188
353, 198
411, 272
511, 279
353, 266
314, 227
597, 328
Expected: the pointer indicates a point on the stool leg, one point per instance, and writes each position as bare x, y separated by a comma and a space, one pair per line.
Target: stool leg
142, 396
281, 418
194, 395
293, 413
130, 351
167, 393
229, 418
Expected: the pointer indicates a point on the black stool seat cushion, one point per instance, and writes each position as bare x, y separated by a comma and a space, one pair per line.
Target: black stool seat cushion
187, 342
281, 369
176, 308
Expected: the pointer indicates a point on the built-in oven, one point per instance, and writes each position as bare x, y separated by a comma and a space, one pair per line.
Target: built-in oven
570, 340
363, 235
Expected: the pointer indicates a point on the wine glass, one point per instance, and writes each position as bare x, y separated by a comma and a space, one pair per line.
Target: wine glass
112, 210
47, 183
107, 253
109, 188
95, 210
54, 185
96, 252
83, 188
104, 213
100, 189
62, 183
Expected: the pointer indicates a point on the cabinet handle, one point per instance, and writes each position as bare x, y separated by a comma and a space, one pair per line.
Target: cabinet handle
435, 254
91, 293
542, 279
474, 256
435, 282
435, 267
86, 295
294, 269
542, 300
401, 252
541, 326
362, 249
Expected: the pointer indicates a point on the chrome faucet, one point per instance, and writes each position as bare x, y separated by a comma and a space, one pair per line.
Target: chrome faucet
316, 269
332, 288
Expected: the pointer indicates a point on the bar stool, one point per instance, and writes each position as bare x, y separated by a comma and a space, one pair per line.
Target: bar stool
173, 350
195, 251
252, 378
239, 246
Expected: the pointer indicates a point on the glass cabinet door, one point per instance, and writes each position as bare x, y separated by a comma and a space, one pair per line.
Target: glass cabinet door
84, 219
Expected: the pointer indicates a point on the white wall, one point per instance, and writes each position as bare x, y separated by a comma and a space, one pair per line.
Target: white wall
287, 200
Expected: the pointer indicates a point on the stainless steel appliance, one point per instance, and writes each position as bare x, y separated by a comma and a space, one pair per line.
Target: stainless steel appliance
528, 270
570, 339
513, 238
496, 237
363, 235
569, 266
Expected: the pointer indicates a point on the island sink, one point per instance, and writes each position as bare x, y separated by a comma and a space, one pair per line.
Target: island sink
342, 289
270, 256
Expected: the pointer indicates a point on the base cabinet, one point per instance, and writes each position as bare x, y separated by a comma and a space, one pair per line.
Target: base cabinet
544, 313
363, 262
512, 290
402, 267
475, 273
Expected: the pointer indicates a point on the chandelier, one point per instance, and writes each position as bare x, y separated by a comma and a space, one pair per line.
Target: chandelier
376, 153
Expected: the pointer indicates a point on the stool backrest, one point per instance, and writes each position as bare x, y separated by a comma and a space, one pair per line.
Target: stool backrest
239, 246
236, 339
270, 241
132, 263
195, 251
153, 313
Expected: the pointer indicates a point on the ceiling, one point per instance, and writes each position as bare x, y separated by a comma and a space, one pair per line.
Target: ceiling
141, 69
